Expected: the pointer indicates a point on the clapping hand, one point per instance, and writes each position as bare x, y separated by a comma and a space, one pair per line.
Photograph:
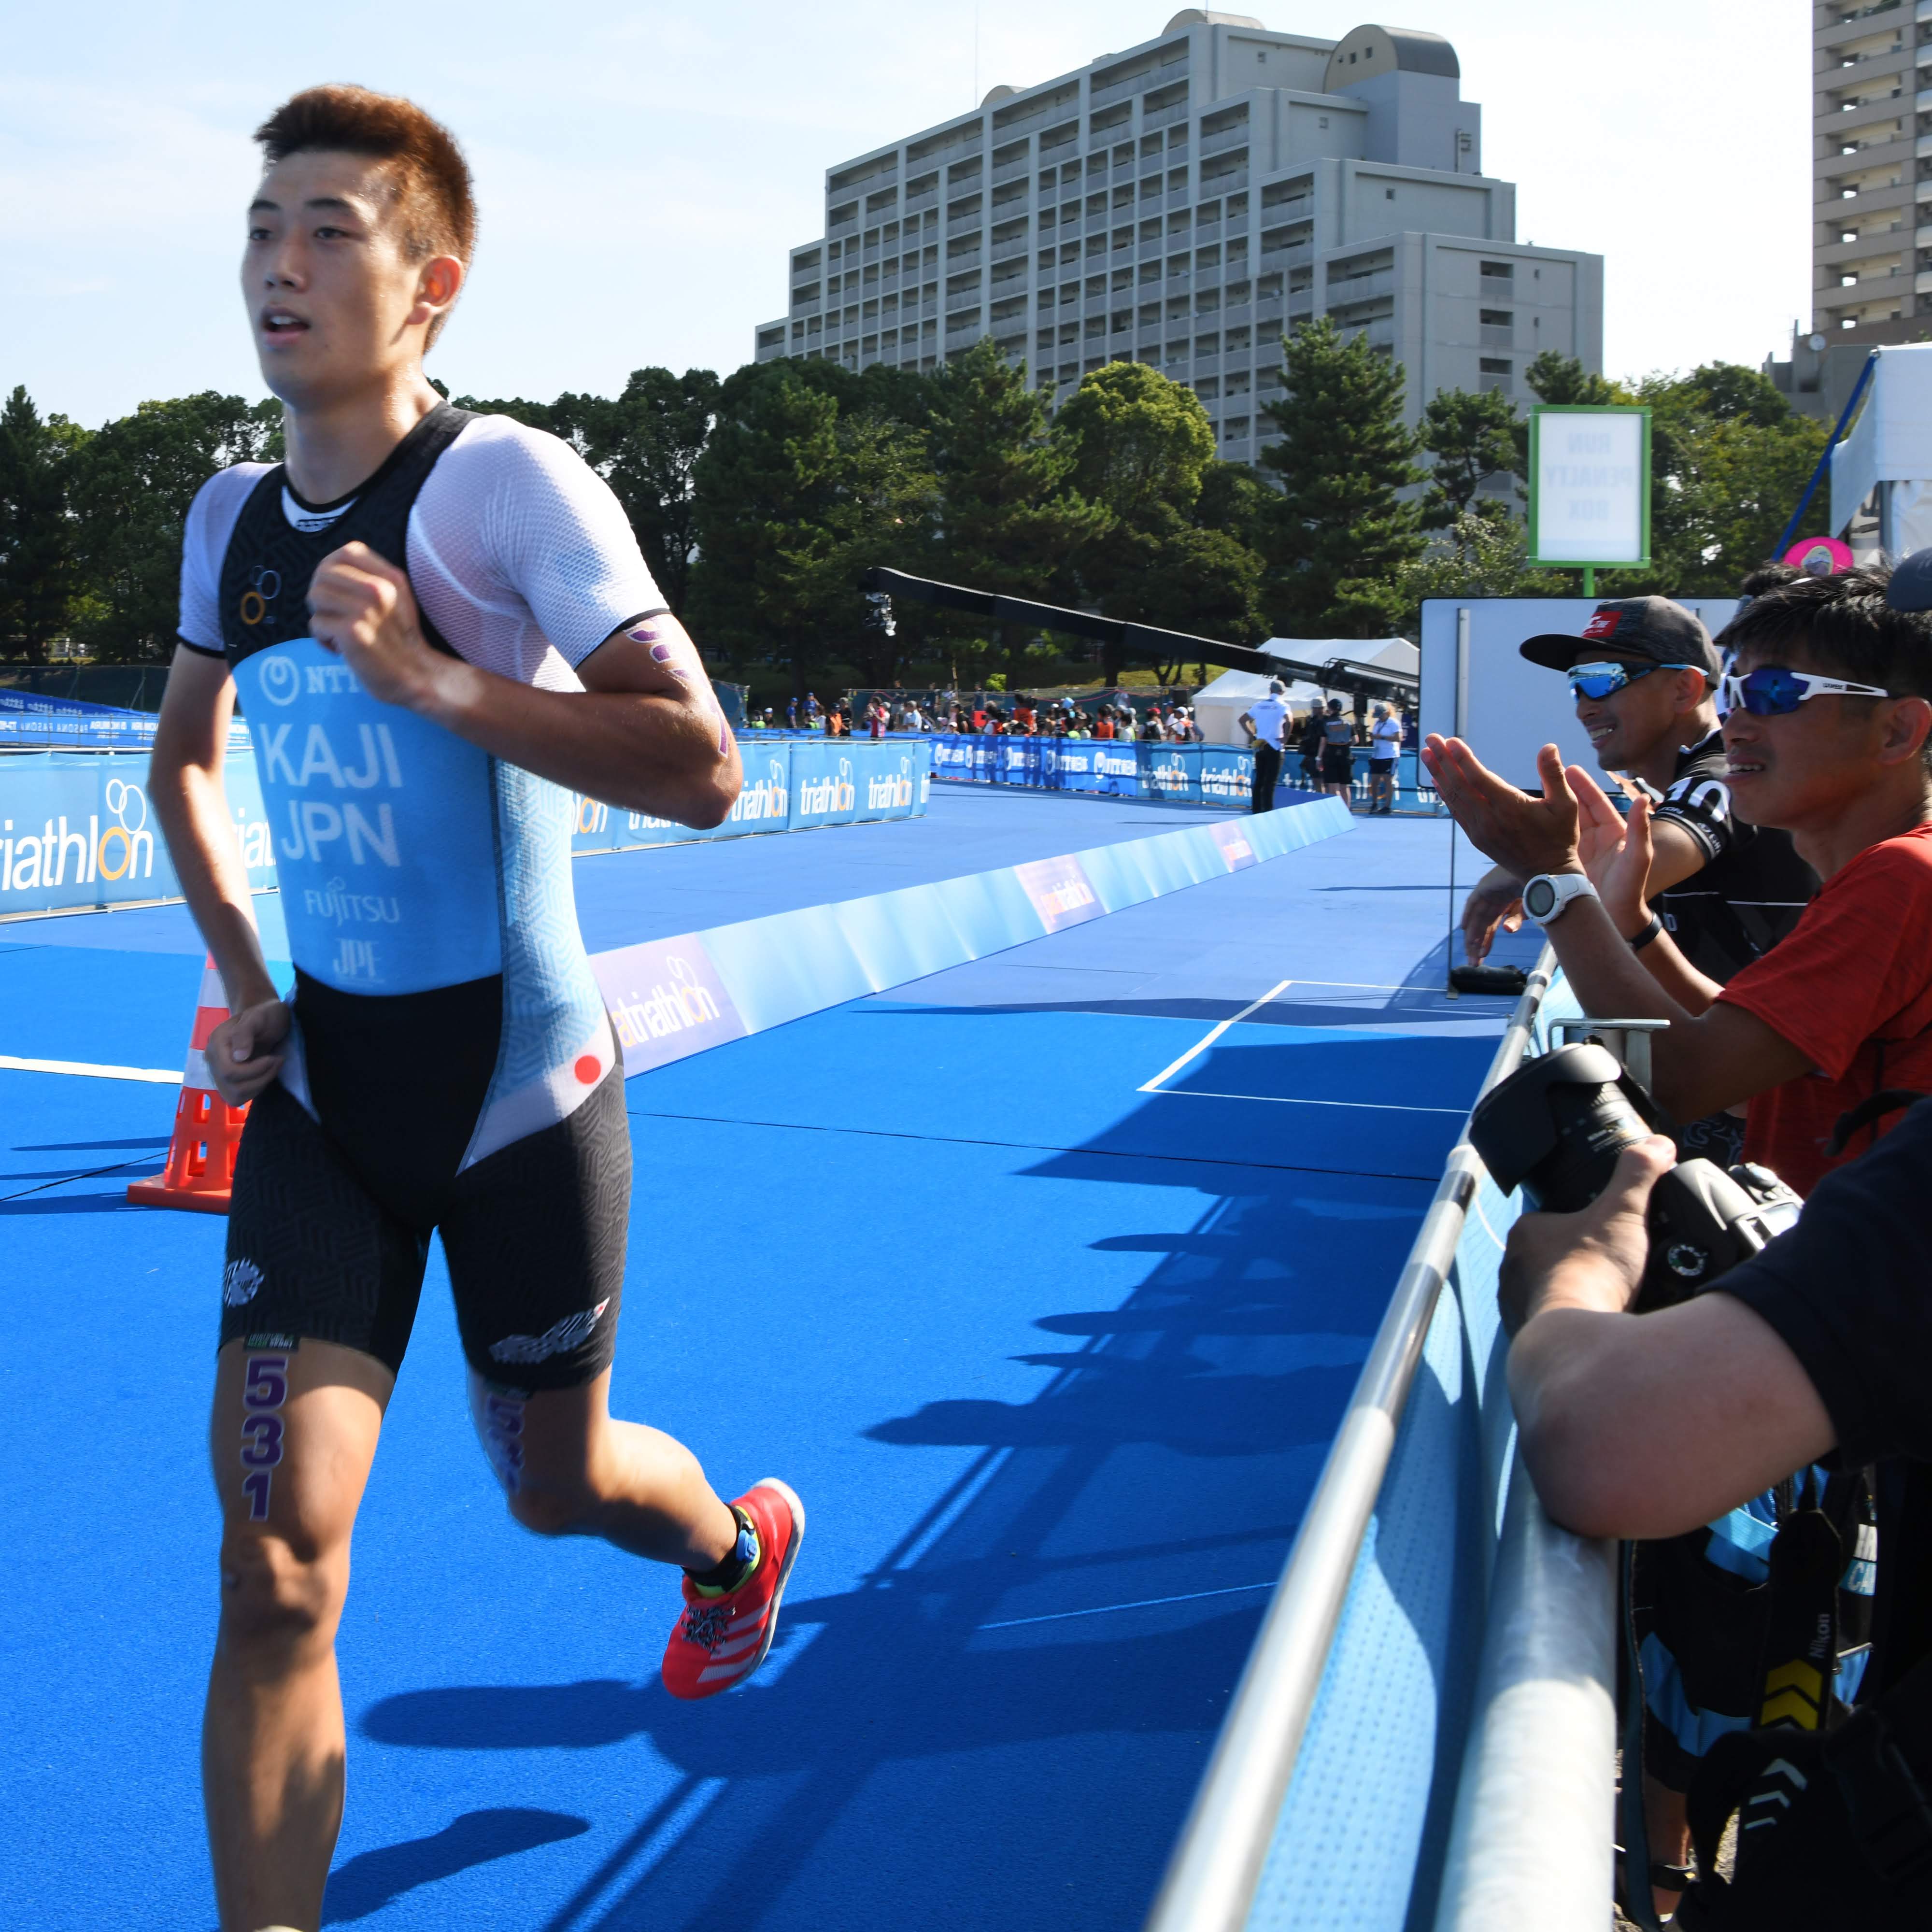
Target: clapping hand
1616, 853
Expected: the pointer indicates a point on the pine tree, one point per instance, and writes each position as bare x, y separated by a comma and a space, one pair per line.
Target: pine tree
646, 444
1142, 447
796, 497
1472, 435
1342, 530
37, 548
1009, 517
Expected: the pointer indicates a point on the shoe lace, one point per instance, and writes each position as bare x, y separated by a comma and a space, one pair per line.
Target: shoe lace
707, 1624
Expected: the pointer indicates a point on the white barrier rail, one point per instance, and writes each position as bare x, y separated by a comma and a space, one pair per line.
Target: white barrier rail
1210, 1881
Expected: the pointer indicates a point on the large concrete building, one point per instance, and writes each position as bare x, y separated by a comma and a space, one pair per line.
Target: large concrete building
1181, 204
1871, 194
1872, 173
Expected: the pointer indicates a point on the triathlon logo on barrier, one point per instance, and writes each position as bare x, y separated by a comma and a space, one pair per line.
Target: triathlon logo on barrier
765, 799
819, 797
1061, 891
890, 791
124, 849
1235, 849
666, 1000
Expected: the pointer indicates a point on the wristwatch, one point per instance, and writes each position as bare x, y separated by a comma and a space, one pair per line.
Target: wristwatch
1547, 894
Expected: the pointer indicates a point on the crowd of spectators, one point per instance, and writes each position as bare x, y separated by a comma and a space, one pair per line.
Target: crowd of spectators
1767, 1445
1161, 722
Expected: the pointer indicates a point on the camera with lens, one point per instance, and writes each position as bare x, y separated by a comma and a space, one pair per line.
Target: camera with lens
1556, 1128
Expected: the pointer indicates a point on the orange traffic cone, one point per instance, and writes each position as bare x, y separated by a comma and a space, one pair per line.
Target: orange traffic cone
200, 1169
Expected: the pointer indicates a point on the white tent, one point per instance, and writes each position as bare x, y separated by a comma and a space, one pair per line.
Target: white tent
1218, 706
1888, 452
1308, 654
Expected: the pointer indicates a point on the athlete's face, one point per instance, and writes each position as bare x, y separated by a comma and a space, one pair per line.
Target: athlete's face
333, 303
1629, 724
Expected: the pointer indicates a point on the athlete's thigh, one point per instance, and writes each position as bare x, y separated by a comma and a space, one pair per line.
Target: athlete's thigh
291, 1437
535, 1237
311, 1252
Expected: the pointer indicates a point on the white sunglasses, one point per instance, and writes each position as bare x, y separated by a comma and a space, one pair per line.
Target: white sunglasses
1772, 691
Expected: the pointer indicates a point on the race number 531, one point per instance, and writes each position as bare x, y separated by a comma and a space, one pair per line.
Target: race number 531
262, 1395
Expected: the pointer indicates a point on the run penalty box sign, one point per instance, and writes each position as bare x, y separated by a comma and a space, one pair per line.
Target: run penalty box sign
1589, 485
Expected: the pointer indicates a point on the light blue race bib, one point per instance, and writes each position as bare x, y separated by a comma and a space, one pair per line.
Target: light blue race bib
384, 827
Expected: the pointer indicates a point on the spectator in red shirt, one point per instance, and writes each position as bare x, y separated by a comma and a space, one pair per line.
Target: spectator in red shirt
1826, 736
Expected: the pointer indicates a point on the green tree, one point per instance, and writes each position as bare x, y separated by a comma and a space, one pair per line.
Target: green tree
1556, 378
131, 484
1730, 459
1009, 517
1142, 449
1472, 436
1483, 557
795, 497
1140, 445
37, 576
646, 444
1343, 529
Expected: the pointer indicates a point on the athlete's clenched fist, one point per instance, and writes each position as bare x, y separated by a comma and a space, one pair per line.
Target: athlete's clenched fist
362, 607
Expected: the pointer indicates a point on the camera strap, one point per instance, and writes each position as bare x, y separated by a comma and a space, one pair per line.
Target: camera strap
1799, 1660
1886, 1100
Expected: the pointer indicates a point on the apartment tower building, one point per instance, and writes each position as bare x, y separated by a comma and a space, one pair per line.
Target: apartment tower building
1182, 204
1871, 248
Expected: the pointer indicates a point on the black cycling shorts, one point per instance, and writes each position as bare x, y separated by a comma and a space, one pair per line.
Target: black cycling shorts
1338, 764
330, 1243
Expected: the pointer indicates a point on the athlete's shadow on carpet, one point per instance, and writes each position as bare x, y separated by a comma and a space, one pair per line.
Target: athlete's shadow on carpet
362, 1886
1102, 1584
938, 1696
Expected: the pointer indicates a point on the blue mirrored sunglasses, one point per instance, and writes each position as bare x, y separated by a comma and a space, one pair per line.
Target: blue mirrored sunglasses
1599, 680
1771, 691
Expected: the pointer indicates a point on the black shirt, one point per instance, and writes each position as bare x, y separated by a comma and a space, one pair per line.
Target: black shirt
1849, 1292
1753, 886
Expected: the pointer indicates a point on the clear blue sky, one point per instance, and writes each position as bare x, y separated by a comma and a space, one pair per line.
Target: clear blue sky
643, 168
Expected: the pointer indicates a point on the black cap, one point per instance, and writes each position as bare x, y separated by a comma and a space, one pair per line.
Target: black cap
1911, 586
1630, 627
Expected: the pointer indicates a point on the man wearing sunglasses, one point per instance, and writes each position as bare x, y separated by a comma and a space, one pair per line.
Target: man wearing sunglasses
1644, 676
1826, 740
1825, 736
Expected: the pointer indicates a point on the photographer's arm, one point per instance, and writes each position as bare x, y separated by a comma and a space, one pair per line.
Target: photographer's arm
1643, 1426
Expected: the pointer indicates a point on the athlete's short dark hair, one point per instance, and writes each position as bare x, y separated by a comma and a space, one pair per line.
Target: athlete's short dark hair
435, 202
1845, 625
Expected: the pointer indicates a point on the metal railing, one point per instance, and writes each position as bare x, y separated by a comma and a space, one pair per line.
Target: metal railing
1211, 1879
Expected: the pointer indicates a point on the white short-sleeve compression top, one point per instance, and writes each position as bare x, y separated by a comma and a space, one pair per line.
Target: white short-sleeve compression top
519, 554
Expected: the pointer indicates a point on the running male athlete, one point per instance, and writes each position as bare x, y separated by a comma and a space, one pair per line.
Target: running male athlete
437, 621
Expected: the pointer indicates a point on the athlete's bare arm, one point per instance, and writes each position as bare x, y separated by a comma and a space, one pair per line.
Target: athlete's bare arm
184, 783
646, 734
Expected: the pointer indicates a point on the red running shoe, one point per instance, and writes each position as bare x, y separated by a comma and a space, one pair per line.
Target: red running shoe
719, 1641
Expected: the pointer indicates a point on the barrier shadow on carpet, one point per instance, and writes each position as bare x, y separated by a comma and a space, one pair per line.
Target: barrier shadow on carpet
1043, 1661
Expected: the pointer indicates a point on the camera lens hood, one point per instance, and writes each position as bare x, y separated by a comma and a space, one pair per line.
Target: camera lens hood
1558, 1123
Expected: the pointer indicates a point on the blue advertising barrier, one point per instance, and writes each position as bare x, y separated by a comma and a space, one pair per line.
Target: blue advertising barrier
1380, 1763
790, 784
671, 997
1177, 774
77, 830
74, 723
